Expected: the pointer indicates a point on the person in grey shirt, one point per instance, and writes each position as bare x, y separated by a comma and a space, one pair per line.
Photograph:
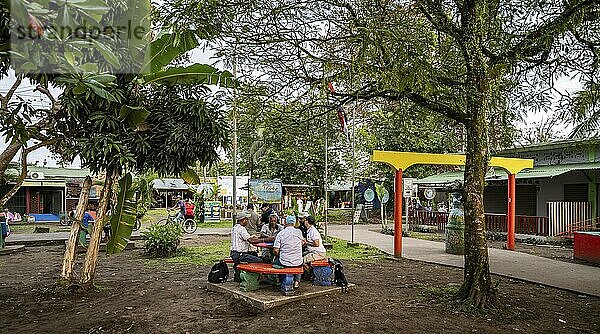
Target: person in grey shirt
288, 247
254, 219
271, 229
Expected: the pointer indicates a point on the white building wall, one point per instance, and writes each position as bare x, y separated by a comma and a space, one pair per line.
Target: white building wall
551, 189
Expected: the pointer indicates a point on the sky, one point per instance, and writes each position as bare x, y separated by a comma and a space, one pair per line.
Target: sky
26, 92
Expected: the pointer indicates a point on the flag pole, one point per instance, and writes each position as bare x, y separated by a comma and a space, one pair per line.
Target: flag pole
326, 205
234, 144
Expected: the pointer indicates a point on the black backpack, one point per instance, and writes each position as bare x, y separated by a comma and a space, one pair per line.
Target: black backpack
339, 278
218, 273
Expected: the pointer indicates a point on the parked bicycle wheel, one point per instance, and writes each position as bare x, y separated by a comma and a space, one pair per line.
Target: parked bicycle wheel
137, 225
190, 226
163, 221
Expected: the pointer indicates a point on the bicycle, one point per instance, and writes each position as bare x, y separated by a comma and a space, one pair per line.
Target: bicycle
66, 220
189, 225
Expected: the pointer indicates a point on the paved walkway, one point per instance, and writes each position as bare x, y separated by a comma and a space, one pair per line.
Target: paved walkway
564, 275
60, 237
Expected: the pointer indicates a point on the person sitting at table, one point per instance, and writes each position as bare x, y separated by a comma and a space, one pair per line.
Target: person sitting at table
314, 243
300, 225
269, 231
241, 244
288, 247
266, 212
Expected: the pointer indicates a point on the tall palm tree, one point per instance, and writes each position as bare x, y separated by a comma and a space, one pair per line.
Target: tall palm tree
585, 112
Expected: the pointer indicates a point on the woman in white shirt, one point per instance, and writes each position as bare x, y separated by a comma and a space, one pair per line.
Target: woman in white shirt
314, 243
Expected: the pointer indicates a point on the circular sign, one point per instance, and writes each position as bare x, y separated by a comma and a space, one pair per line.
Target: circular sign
369, 195
386, 197
207, 188
429, 193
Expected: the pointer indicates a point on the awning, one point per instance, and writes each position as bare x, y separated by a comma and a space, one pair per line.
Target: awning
539, 172
44, 183
340, 186
299, 186
169, 184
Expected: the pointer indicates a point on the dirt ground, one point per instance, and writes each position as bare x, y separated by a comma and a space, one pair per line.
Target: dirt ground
135, 295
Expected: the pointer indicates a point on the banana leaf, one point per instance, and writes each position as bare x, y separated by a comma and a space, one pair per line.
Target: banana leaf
190, 176
193, 74
123, 216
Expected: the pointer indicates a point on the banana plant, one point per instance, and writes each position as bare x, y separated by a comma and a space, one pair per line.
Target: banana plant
123, 216
380, 190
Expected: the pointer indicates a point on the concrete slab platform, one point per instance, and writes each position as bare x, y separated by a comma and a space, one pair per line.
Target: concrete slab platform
11, 249
269, 296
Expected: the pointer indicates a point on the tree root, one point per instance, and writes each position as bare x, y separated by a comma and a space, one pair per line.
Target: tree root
478, 297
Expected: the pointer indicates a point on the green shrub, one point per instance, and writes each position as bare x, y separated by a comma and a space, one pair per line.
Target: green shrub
390, 231
162, 240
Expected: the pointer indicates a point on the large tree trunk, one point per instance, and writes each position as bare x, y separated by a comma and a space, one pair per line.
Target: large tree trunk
477, 288
91, 257
24, 153
7, 155
66, 274
17, 185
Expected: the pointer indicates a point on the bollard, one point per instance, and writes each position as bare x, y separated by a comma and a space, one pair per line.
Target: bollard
455, 228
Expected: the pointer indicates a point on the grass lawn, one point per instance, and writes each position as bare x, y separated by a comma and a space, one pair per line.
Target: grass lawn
154, 215
427, 236
209, 254
219, 224
360, 252
202, 255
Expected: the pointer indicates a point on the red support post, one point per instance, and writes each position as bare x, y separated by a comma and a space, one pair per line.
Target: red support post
510, 238
398, 214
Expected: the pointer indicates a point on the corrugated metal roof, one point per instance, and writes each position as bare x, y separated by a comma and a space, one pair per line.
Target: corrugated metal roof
340, 186
499, 174
59, 173
169, 184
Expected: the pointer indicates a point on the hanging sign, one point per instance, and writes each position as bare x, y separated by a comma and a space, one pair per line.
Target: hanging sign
369, 195
429, 193
386, 196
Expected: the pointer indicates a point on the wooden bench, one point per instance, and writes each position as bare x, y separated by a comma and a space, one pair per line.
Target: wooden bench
268, 269
322, 272
320, 263
250, 273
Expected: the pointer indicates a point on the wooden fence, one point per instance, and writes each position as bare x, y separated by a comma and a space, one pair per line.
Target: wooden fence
532, 225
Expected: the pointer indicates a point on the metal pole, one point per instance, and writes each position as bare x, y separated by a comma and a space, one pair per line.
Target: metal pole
510, 240
353, 168
398, 214
234, 200
406, 205
326, 172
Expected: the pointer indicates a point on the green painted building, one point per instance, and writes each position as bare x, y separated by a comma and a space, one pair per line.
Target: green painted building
562, 185
49, 191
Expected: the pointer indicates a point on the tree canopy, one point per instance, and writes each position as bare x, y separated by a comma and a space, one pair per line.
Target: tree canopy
477, 63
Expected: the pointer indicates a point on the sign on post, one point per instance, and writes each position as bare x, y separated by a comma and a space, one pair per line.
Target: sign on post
407, 187
357, 212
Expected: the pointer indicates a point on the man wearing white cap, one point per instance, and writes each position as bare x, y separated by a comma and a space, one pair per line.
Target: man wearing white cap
288, 247
241, 243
